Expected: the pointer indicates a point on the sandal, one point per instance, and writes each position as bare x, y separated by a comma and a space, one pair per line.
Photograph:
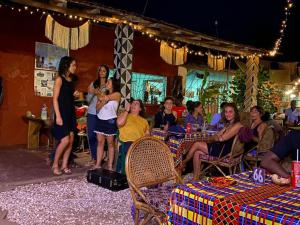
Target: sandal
56, 171
66, 170
95, 167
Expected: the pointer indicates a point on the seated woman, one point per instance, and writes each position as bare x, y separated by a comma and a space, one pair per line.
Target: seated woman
194, 117
257, 127
223, 140
166, 118
132, 126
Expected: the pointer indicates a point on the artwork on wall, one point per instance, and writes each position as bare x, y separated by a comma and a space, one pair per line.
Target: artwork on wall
44, 82
47, 57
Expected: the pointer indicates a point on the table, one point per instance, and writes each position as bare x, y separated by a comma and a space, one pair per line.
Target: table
243, 203
180, 143
33, 134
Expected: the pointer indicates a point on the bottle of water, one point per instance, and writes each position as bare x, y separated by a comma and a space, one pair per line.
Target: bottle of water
44, 112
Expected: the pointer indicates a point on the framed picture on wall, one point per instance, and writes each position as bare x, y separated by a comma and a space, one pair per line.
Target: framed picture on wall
47, 56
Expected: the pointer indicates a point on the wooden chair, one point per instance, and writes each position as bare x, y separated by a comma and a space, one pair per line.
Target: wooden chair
149, 163
254, 156
230, 161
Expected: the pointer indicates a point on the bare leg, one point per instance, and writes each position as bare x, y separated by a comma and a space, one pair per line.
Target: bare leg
198, 146
68, 151
111, 151
271, 163
197, 164
59, 151
100, 149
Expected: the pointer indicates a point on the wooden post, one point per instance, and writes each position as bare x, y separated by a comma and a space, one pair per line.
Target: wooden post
252, 69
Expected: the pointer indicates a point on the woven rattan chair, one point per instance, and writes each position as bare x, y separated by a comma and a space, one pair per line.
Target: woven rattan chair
149, 163
265, 144
230, 161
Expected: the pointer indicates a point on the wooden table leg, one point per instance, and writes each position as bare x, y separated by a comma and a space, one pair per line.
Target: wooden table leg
33, 141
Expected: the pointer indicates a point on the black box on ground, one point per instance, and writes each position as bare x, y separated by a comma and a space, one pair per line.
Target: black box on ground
107, 179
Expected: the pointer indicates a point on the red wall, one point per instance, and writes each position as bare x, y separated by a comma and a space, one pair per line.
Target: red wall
19, 32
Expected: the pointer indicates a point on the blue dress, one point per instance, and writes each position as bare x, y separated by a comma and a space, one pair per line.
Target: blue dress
66, 109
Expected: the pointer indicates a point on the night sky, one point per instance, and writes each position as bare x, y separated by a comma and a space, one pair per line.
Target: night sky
255, 22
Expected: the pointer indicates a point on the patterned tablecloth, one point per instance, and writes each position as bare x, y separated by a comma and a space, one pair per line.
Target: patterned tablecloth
243, 203
179, 143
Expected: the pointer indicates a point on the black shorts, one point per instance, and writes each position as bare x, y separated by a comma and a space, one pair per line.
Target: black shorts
106, 127
288, 145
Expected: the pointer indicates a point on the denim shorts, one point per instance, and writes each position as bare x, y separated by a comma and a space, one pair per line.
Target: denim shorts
106, 127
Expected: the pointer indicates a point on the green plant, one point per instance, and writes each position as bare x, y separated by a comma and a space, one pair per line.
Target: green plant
208, 93
268, 95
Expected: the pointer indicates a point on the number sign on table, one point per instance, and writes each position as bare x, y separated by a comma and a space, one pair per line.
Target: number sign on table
259, 175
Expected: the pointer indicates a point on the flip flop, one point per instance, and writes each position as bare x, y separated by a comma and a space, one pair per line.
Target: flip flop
66, 171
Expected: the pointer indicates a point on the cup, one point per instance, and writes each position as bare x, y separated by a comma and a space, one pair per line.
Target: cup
296, 174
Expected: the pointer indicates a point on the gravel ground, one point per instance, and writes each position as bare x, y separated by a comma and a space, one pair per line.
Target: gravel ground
72, 201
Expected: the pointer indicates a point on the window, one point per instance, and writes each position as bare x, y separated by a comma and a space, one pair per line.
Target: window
149, 88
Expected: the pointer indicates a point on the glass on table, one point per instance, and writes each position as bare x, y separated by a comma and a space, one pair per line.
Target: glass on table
195, 127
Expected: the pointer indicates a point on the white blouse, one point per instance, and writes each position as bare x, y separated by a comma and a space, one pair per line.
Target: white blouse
108, 111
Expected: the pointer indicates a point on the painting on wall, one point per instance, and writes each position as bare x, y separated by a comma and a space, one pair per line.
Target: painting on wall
47, 57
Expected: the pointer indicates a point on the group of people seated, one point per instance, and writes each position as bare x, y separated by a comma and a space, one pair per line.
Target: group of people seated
229, 126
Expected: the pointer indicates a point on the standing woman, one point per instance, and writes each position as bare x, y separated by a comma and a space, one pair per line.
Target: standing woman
94, 89
64, 108
106, 128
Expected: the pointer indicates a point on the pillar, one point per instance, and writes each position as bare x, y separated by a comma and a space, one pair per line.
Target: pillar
123, 53
252, 69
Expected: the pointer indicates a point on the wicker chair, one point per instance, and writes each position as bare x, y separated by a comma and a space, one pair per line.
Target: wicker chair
230, 161
149, 163
253, 158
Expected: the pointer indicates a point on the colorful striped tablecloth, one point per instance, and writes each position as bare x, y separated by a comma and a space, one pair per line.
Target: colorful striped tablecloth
243, 203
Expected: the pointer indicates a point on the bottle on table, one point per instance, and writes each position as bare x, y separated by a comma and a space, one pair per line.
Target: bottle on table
44, 112
188, 128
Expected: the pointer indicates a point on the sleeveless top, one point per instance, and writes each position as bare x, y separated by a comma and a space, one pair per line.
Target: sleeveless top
66, 109
108, 111
255, 129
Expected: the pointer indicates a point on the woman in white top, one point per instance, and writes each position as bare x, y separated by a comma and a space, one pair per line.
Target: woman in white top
106, 127
95, 89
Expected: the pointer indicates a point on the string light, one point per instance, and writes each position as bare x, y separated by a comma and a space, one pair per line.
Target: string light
277, 44
178, 44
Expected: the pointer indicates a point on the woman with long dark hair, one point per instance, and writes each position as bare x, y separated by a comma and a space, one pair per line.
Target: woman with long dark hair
95, 89
64, 108
223, 140
106, 127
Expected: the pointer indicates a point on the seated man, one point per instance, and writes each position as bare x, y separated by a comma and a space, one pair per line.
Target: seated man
287, 145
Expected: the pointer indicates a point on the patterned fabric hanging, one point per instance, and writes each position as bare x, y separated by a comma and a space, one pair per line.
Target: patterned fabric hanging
65, 37
215, 62
171, 55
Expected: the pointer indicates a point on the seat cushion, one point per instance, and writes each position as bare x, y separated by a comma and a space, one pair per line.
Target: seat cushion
159, 198
227, 159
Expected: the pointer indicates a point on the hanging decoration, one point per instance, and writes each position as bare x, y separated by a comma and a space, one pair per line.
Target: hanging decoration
172, 55
216, 63
65, 37
153, 35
